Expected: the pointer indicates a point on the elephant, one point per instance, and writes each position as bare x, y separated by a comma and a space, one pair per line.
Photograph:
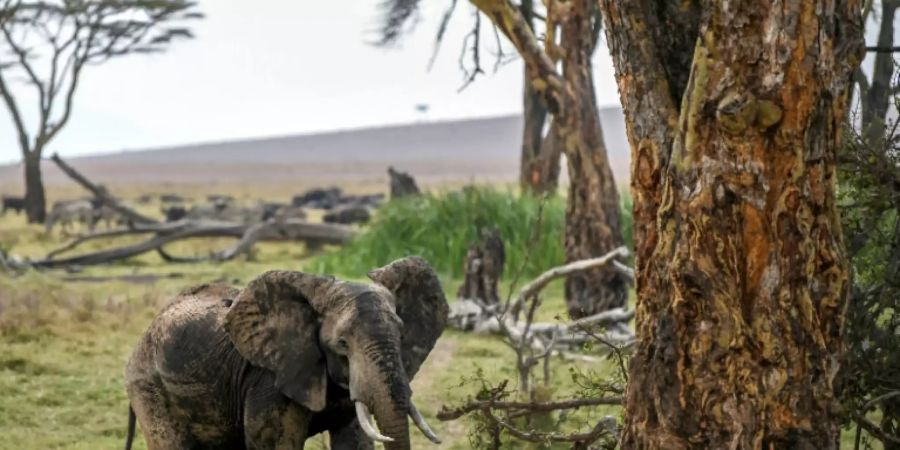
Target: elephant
289, 356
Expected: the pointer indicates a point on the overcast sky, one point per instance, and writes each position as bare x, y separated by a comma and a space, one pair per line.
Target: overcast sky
275, 67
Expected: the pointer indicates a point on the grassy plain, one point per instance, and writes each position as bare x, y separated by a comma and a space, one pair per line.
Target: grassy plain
64, 337
64, 340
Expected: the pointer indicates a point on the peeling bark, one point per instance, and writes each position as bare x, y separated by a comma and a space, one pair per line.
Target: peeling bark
741, 271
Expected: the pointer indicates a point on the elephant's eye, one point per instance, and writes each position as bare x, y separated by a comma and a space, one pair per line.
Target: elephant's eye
342, 344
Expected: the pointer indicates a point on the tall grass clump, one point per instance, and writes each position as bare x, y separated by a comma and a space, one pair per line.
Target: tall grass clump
439, 228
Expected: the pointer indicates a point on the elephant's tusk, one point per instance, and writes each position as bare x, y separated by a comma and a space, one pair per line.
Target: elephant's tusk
423, 426
365, 421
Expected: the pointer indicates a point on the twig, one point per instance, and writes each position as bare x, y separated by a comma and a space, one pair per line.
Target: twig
439, 39
451, 414
877, 49
874, 429
475, 35
532, 243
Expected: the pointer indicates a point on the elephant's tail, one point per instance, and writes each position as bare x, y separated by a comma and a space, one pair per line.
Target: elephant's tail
129, 438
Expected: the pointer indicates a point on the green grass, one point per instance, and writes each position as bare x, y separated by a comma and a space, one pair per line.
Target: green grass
63, 345
440, 227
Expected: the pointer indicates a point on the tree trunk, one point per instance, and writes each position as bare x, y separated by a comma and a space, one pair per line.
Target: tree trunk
592, 218
592, 213
742, 282
35, 200
878, 98
539, 171
483, 267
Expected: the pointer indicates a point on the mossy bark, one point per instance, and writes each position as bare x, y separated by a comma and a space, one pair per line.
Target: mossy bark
741, 270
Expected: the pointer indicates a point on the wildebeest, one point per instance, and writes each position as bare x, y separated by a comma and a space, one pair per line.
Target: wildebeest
348, 215
16, 204
318, 198
172, 198
365, 200
174, 212
219, 199
288, 212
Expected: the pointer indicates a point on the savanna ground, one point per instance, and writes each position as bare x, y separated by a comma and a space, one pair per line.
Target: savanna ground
64, 338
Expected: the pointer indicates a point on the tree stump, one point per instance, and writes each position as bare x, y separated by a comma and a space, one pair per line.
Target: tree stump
402, 184
483, 268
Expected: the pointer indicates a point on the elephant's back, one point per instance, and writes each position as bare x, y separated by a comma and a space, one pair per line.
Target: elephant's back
183, 368
189, 334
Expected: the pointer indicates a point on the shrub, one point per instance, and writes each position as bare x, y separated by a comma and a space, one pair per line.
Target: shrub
869, 190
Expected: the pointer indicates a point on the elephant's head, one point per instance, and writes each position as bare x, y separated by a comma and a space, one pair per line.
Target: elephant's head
312, 330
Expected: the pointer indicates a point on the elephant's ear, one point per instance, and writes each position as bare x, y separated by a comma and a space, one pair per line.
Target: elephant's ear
420, 303
274, 324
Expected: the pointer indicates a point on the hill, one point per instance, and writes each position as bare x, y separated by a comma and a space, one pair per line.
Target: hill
482, 149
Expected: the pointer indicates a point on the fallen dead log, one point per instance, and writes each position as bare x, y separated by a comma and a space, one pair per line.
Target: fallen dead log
311, 233
102, 194
609, 327
467, 315
279, 231
132, 279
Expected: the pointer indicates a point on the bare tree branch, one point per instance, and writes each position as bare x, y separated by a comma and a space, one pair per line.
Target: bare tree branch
101, 194
877, 49
451, 414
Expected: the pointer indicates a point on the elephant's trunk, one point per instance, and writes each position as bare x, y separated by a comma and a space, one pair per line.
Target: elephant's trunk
383, 388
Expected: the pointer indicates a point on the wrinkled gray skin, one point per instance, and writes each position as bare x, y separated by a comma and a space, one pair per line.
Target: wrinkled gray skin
270, 365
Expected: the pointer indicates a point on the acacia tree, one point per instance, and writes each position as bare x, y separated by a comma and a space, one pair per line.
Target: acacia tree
734, 113
592, 215
539, 161
50, 43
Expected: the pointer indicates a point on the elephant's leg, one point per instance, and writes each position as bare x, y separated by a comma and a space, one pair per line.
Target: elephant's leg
272, 421
160, 430
350, 437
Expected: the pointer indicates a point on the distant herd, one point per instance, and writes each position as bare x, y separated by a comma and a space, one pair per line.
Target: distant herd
338, 208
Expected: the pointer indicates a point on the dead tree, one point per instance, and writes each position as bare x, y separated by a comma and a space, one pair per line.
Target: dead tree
483, 268
62, 38
314, 234
101, 195
510, 411
402, 184
275, 229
